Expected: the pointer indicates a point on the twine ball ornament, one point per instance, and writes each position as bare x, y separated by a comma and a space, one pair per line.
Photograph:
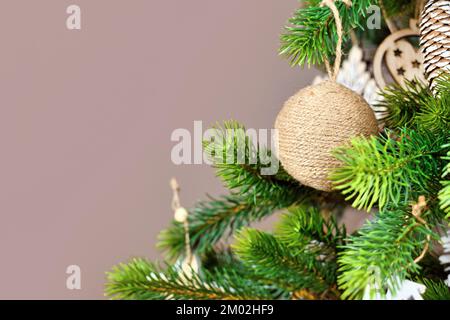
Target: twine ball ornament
318, 119
315, 121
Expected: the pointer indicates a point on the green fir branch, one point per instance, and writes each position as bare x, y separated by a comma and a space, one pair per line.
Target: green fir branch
272, 260
415, 106
311, 33
444, 194
303, 224
253, 196
388, 170
434, 115
142, 280
222, 258
436, 290
382, 252
210, 221
240, 163
403, 103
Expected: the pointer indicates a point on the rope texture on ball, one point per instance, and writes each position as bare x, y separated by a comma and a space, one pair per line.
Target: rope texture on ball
313, 123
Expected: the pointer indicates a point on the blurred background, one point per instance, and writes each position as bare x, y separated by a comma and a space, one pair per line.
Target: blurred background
86, 118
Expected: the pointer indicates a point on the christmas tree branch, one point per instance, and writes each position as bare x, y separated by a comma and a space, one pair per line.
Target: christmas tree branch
224, 259
403, 103
444, 194
212, 220
436, 290
311, 34
415, 106
143, 280
240, 164
304, 224
390, 169
382, 252
274, 261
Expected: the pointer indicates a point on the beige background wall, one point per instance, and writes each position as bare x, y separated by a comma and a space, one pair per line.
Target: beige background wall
86, 118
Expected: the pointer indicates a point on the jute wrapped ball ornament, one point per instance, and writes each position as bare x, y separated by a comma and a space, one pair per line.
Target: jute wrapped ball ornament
313, 123
317, 120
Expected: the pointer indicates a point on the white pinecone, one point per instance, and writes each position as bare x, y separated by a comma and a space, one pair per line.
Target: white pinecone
435, 39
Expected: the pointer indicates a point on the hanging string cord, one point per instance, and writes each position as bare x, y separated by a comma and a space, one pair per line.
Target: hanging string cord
176, 197
417, 211
176, 205
337, 63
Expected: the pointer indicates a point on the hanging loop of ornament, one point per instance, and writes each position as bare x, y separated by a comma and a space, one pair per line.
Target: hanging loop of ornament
337, 63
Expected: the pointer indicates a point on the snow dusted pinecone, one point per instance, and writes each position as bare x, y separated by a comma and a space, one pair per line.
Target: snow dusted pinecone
435, 39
